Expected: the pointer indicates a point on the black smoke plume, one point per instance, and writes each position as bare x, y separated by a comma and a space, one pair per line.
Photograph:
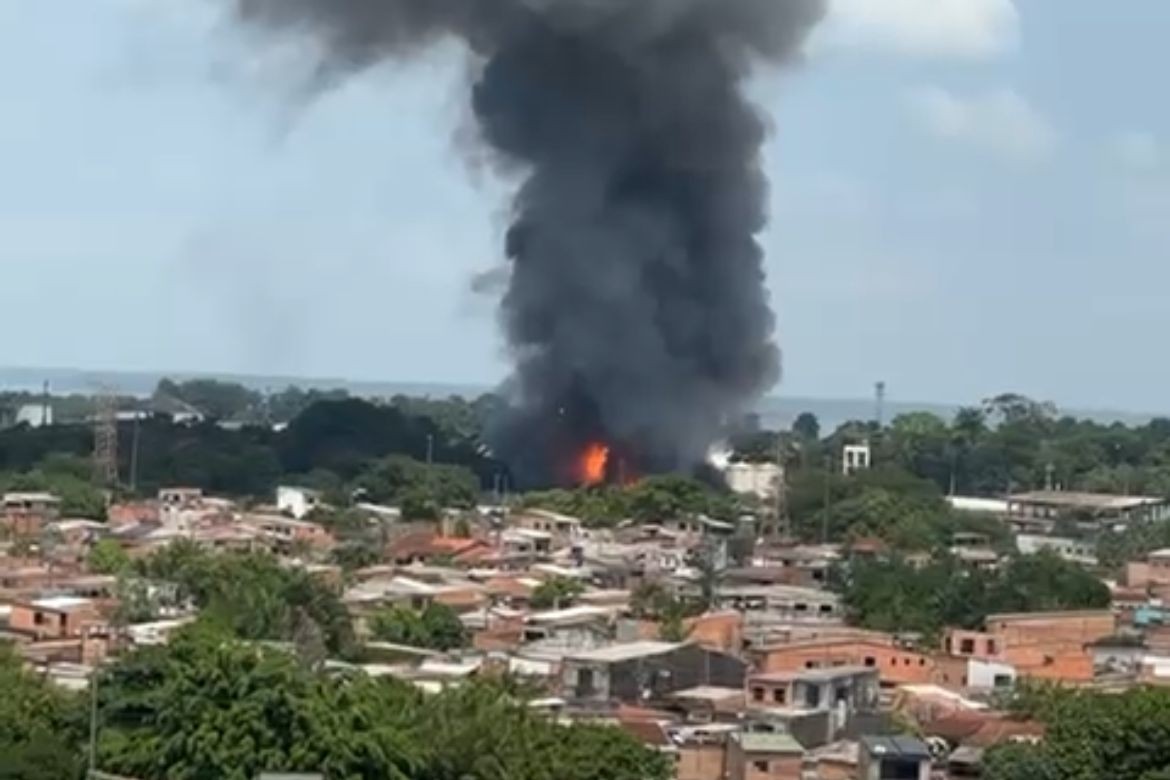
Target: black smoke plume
636, 309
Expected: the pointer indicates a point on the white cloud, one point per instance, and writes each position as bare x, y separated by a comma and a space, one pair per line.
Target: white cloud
1136, 150
1000, 122
924, 28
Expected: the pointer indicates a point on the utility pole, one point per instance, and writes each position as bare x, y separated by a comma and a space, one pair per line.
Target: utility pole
825, 510
91, 759
430, 449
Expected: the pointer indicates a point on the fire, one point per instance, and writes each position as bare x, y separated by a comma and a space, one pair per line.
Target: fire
592, 464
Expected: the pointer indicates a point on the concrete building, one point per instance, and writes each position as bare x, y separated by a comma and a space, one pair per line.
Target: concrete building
1070, 550
28, 513
638, 672
57, 617
815, 705
284, 532
1097, 508
895, 665
855, 458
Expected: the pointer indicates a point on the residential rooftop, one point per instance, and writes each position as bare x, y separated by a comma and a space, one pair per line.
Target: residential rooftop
626, 652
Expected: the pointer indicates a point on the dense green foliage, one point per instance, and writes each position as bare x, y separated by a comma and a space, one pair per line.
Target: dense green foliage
253, 595
107, 557
65, 476
330, 445
654, 498
891, 595
1119, 736
39, 726
210, 706
435, 627
422, 491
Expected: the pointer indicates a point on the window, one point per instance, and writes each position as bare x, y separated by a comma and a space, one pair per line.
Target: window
922, 662
757, 694
810, 664
870, 660
905, 662
779, 695
991, 647
827, 609
760, 766
893, 661
967, 646
584, 682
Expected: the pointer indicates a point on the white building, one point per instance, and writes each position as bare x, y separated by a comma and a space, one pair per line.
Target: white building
1069, 549
34, 415
855, 458
297, 501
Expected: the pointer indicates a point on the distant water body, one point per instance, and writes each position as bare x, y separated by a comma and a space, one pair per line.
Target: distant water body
776, 412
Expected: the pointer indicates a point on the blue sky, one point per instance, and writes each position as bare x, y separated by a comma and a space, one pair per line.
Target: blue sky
970, 196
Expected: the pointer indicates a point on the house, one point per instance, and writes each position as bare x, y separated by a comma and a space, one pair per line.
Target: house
56, 617
893, 758
563, 528
526, 542
577, 626
816, 689
1098, 509
77, 532
1051, 645
979, 644
1070, 550
637, 672
815, 705
27, 513
297, 502
427, 546
286, 532
702, 751
895, 665
784, 602
969, 673
764, 756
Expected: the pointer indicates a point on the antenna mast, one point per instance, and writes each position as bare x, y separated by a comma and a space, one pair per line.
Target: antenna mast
105, 439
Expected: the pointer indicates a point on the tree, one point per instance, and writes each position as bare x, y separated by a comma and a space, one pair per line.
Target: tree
108, 557
807, 426
556, 593
419, 489
39, 725
1092, 735
211, 706
891, 595
436, 627
252, 595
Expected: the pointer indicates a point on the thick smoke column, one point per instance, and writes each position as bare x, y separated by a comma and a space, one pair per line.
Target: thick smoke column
636, 308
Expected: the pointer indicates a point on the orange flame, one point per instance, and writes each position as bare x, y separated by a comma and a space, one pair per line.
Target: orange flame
592, 464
